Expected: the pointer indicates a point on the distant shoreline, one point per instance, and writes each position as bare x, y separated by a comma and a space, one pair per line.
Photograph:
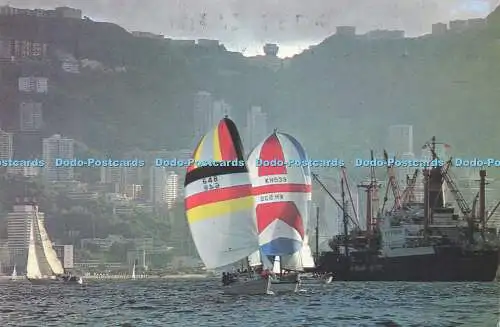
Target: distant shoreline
129, 277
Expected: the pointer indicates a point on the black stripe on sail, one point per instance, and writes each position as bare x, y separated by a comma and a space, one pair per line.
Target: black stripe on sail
210, 171
235, 136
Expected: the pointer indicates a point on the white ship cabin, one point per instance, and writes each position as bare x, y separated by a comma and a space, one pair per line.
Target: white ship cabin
402, 240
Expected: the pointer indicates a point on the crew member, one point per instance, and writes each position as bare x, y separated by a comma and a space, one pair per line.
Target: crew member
265, 274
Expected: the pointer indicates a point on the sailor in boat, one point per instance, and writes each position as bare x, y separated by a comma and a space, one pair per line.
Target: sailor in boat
265, 274
228, 278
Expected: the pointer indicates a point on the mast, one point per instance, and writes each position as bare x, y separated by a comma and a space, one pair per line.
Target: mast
426, 203
345, 219
482, 201
317, 235
372, 201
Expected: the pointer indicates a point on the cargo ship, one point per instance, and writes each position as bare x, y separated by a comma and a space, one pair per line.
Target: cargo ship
417, 240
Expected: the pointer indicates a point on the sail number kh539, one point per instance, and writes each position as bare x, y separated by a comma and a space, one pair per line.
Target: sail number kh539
210, 183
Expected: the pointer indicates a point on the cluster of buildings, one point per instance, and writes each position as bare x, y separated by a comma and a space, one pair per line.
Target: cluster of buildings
208, 111
59, 12
454, 26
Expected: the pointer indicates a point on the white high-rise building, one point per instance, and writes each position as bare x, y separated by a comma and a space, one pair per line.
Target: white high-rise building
256, 128
203, 111
172, 188
219, 111
6, 150
400, 140
158, 178
53, 148
18, 225
30, 116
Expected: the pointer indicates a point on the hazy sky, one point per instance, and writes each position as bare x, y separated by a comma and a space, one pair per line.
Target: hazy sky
244, 25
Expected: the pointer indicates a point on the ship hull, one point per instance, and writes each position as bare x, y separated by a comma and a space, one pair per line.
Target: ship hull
446, 265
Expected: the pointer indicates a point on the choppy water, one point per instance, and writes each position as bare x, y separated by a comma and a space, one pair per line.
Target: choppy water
196, 303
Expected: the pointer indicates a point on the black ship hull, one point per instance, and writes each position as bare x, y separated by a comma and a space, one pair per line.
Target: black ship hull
446, 265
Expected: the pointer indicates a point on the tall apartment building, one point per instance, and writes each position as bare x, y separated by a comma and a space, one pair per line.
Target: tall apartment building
172, 187
19, 224
203, 110
400, 140
256, 129
158, 184
30, 116
220, 109
6, 148
57, 147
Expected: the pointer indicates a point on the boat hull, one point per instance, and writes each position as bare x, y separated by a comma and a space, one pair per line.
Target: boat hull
445, 265
259, 286
58, 280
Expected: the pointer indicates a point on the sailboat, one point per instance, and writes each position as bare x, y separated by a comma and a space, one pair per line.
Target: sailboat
43, 266
133, 271
15, 276
282, 199
220, 207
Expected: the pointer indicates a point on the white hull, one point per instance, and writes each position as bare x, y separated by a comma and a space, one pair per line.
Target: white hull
248, 287
281, 287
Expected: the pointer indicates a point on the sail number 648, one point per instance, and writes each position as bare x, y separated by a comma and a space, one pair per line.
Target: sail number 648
210, 183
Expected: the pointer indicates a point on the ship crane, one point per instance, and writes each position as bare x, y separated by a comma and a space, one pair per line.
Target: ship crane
408, 195
462, 204
493, 211
372, 201
393, 182
354, 220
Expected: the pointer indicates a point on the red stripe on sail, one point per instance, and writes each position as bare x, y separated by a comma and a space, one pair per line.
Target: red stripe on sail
192, 166
226, 143
282, 188
271, 150
218, 195
284, 211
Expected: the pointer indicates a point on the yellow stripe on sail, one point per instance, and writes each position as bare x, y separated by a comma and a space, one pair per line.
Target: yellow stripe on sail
197, 154
218, 209
216, 150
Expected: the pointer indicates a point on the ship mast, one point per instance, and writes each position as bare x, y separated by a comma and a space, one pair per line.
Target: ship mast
345, 219
372, 203
317, 236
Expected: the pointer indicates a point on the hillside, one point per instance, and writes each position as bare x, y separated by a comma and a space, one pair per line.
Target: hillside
343, 94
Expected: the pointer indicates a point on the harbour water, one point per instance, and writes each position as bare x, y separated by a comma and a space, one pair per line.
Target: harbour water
195, 302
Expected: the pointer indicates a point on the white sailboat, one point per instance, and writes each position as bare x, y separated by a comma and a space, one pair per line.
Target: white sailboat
43, 265
133, 271
282, 195
15, 276
220, 207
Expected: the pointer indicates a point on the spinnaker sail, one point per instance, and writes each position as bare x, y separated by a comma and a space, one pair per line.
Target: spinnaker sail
282, 190
218, 198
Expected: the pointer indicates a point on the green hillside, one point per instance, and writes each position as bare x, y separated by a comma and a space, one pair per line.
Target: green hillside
338, 98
